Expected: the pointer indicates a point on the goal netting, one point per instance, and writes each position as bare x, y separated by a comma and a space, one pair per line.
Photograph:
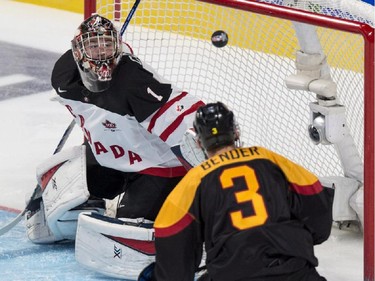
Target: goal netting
249, 74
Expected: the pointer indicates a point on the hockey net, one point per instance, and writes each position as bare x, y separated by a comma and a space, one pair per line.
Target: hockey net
249, 73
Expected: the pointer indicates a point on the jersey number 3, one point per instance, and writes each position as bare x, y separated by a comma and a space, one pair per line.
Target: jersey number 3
250, 195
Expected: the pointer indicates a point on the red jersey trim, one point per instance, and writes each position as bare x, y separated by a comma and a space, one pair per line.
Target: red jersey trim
171, 128
173, 172
312, 189
164, 109
144, 247
174, 229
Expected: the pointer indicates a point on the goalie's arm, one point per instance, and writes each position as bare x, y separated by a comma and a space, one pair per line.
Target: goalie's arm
173, 124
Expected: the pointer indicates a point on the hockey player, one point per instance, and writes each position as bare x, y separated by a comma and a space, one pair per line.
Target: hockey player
130, 117
257, 213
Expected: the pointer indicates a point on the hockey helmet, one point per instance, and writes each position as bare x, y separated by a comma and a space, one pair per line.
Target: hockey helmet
96, 49
215, 126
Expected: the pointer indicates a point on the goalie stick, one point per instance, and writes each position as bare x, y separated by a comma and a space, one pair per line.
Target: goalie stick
129, 17
38, 190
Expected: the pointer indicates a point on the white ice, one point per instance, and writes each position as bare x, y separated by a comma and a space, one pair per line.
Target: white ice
32, 126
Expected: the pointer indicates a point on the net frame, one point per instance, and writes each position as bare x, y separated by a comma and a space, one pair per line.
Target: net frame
367, 32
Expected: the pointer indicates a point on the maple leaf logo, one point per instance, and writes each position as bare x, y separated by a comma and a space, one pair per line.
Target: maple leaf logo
109, 125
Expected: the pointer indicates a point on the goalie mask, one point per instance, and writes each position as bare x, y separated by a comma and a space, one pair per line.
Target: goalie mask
215, 126
96, 49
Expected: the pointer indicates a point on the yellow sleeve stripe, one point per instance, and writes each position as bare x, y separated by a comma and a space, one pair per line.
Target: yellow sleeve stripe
175, 228
297, 175
176, 207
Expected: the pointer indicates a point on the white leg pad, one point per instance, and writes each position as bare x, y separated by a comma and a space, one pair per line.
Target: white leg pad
344, 190
357, 203
113, 248
63, 178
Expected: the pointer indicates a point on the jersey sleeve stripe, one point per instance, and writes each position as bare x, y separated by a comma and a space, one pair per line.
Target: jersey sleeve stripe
165, 172
163, 109
175, 228
177, 122
312, 189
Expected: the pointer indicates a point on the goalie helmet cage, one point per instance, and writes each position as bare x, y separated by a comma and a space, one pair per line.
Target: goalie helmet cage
249, 73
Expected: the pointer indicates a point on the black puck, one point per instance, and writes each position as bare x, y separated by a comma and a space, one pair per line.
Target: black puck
219, 38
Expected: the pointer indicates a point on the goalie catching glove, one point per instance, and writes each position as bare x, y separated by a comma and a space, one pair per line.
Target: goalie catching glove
188, 151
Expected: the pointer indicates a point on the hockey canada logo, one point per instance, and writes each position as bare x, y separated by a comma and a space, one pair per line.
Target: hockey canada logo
180, 108
110, 126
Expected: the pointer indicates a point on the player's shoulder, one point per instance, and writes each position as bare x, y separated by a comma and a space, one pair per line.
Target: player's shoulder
64, 70
130, 68
130, 60
66, 60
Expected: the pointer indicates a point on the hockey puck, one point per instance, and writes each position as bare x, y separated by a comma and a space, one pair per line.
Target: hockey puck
219, 38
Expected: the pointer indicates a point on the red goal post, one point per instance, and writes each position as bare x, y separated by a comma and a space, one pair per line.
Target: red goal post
249, 73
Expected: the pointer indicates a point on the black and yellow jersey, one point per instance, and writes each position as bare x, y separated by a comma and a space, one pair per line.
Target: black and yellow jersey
252, 208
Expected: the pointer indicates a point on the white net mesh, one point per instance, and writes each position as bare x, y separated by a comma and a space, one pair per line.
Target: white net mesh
354, 10
249, 73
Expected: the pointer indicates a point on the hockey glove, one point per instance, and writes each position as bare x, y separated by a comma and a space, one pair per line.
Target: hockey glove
146, 274
188, 151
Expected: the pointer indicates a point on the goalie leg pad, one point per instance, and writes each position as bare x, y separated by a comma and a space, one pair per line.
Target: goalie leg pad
63, 179
344, 189
114, 247
357, 203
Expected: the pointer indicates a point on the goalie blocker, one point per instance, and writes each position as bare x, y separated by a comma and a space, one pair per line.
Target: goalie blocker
62, 177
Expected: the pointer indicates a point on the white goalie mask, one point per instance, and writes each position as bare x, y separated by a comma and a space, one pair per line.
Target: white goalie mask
96, 49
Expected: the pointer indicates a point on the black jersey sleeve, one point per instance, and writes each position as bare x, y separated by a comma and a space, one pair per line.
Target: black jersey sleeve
144, 93
178, 239
64, 73
310, 203
178, 255
315, 211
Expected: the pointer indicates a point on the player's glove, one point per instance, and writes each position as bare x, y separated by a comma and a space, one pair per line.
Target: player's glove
146, 273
